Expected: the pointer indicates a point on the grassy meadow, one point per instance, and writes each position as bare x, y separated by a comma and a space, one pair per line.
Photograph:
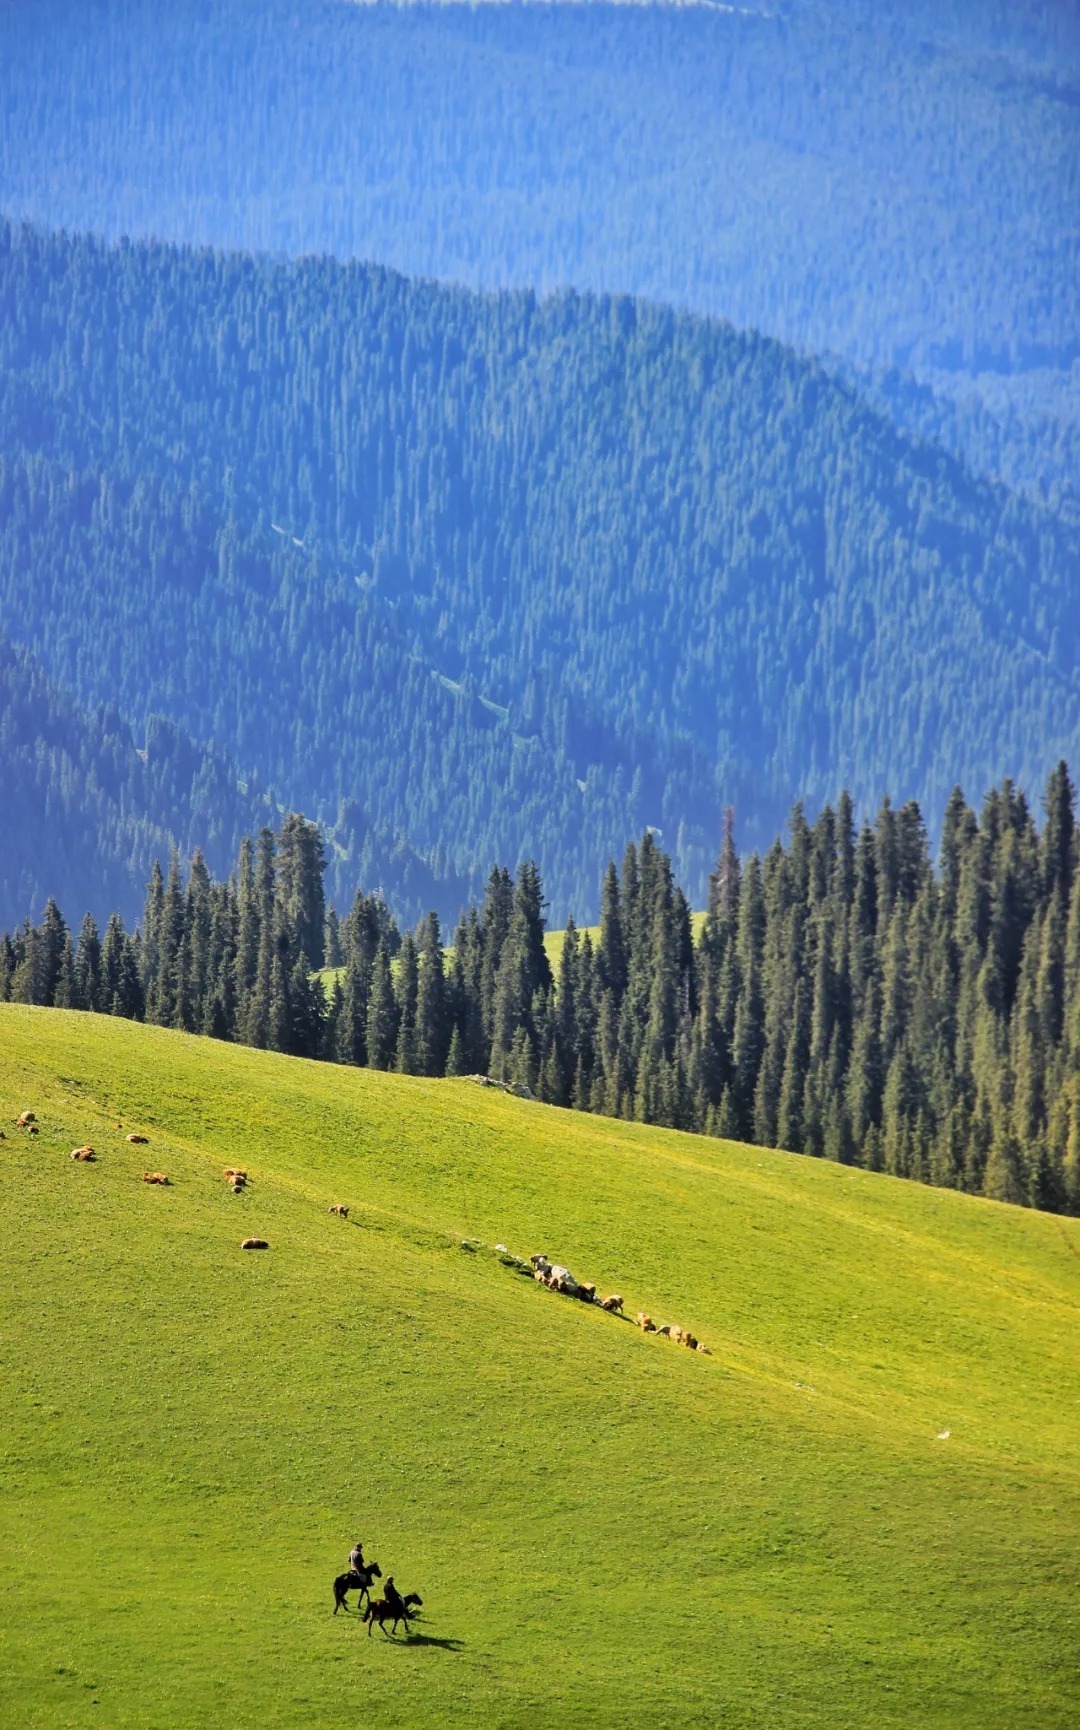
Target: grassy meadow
605, 1528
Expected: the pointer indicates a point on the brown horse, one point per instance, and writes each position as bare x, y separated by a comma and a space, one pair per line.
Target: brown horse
382, 1611
356, 1580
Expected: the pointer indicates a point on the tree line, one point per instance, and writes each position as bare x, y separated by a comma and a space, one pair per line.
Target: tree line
842, 995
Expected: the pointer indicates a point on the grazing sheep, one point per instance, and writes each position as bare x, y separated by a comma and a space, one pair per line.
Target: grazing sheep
667, 1331
254, 1243
25, 1119
31, 1129
83, 1153
138, 1140
342, 1212
613, 1303
587, 1293
238, 1187
154, 1177
700, 1348
645, 1323
688, 1340
235, 1171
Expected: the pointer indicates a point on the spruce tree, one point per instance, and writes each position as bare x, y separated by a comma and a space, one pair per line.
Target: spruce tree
382, 1022
88, 965
407, 990
432, 1020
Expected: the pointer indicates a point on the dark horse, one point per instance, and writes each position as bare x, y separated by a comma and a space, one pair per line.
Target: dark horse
382, 1611
356, 1580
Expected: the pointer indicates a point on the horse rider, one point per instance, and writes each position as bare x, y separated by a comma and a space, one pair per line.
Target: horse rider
394, 1599
356, 1558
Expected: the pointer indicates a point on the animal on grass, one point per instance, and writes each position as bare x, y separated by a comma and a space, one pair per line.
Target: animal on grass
254, 1243
83, 1153
355, 1580
31, 1129
232, 1172
342, 1212
25, 1119
645, 1323
391, 1608
138, 1140
154, 1177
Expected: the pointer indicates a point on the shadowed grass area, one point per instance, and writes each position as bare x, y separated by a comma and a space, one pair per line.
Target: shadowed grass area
600, 1524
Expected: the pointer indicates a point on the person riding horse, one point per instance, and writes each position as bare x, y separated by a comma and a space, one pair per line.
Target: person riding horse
356, 1557
394, 1599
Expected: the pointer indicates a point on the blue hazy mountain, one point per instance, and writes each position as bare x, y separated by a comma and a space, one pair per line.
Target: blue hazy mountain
514, 576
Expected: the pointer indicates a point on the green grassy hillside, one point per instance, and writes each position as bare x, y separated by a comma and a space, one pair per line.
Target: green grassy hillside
606, 1529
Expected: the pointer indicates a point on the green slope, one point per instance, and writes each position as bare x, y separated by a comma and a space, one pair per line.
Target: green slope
601, 1524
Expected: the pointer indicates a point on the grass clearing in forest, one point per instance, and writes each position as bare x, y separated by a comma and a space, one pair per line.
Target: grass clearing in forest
601, 1524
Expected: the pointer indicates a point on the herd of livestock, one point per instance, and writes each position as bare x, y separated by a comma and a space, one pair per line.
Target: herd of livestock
559, 1279
550, 1274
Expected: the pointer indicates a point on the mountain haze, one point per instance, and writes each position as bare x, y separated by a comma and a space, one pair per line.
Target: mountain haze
515, 576
893, 185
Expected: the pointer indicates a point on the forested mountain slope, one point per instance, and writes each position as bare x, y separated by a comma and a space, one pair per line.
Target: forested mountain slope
87, 810
897, 184
516, 576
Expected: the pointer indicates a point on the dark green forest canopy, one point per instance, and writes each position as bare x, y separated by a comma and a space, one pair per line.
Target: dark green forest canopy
895, 184
841, 998
516, 577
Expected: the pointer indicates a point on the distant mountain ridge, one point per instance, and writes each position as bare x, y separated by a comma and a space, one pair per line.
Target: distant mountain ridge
518, 577
891, 183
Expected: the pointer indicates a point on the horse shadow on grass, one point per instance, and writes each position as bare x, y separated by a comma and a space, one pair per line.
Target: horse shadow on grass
411, 1641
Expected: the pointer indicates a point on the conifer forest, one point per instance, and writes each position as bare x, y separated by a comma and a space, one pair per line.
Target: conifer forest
842, 997
554, 436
